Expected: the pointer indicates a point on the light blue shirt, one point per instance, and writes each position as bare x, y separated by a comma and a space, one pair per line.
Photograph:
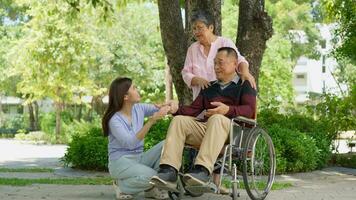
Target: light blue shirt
122, 134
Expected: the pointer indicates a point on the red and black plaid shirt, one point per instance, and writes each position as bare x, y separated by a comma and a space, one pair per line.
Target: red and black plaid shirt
241, 98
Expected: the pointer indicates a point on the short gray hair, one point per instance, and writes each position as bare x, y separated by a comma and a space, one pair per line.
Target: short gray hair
203, 16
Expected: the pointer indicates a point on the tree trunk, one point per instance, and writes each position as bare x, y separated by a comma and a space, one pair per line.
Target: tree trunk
169, 86
31, 116
176, 40
58, 119
174, 44
212, 6
98, 105
1, 112
254, 29
37, 122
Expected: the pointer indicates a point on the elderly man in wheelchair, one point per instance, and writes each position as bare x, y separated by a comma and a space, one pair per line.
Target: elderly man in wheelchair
223, 101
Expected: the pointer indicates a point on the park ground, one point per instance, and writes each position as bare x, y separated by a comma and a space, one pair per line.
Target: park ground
29, 171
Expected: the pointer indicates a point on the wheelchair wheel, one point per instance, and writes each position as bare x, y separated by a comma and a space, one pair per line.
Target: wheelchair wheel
173, 195
259, 164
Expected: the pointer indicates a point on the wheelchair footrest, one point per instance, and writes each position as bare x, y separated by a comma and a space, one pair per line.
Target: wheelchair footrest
207, 188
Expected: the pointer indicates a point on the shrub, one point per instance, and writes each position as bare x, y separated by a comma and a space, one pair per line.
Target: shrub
319, 130
34, 136
15, 122
157, 132
344, 160
297, 151
88, 148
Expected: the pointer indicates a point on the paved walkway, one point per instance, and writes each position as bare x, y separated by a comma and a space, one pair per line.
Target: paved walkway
327, 184
14, 154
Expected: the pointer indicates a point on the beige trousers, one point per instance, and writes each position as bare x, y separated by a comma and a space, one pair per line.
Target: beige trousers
210, 136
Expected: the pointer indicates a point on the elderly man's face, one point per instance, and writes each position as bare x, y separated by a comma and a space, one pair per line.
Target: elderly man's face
225, 65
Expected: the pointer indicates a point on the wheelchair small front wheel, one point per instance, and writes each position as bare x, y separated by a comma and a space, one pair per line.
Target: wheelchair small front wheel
259, 164
174, 195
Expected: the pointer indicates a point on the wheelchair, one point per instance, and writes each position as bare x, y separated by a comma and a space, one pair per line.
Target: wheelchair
249, 154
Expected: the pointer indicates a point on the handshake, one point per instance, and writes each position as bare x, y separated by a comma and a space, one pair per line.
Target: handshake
170, 107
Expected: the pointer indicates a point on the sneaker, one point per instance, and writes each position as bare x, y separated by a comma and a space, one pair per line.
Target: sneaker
120, 195
166, 178
197, 177
156, 193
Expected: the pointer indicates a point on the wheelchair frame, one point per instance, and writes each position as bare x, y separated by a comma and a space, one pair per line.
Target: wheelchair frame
244, 151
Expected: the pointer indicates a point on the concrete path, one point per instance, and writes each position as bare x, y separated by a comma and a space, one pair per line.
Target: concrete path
14, 154
327, 184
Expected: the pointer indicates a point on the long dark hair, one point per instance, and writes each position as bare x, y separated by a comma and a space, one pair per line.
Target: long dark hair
118, 89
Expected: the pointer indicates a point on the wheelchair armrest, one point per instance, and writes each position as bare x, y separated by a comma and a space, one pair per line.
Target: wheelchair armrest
245, 120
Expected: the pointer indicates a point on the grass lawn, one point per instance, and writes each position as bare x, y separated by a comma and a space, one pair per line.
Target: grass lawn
61, 181
27, 170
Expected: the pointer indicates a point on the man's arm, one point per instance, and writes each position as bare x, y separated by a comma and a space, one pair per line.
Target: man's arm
194, 109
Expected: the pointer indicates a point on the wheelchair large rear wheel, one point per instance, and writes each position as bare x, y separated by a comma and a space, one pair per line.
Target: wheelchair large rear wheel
259, 164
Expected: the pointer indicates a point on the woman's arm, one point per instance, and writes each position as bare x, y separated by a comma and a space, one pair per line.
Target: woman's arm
152, 120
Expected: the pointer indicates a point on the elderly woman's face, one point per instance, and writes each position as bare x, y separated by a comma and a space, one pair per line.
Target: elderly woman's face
201, 31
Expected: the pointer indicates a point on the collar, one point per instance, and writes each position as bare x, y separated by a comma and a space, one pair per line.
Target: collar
234, 80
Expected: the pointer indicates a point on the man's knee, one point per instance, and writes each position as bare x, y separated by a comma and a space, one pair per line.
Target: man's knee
218, 117
180, 119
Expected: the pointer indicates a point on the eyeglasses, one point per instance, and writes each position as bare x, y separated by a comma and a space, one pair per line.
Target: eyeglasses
198, 28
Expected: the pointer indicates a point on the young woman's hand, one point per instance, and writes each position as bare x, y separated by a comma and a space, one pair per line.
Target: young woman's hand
163, 111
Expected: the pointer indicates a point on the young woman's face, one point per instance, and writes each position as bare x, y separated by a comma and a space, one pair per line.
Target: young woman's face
132, 95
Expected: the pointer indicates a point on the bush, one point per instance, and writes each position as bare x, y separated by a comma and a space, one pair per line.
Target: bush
318, 130
88, 148
35, 137
344, 160
297, 151
15, 122
157, 133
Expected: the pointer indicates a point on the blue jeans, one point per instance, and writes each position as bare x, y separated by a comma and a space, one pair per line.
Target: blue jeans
133, 172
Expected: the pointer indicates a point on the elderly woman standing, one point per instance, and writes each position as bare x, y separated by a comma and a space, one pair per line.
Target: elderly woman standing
198, 68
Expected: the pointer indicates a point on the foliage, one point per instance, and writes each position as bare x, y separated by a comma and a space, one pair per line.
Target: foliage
338, 112
275, 88
344, 13
157, 133
36, 137
302, 127
296, 151
134, 40
290, 18
88, 148
15, 122
344, 160
58, 50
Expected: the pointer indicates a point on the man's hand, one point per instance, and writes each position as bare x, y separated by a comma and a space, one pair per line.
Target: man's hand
220, 109
201, 82
173, 106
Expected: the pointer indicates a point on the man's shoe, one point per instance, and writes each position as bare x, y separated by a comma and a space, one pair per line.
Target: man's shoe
165, 179
197, 177
197, 181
